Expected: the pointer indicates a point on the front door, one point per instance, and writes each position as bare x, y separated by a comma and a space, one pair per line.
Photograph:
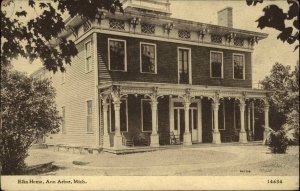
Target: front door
179, 123
194, 124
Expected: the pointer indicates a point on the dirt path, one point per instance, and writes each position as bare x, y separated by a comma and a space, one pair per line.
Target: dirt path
163, 162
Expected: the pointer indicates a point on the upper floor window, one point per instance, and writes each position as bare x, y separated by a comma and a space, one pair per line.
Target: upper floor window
238, 42
116, 24
184, 65
148, 58
216, 64
89, 115
147, 28
63, 123
117, 55
238, 66
88, 57
216, 39
184, 34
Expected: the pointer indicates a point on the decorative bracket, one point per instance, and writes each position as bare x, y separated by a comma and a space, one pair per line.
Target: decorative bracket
230, 37
202, 33
168, 27
154, 95
116, 93
101, 15
253, 40
134, 22
74, 31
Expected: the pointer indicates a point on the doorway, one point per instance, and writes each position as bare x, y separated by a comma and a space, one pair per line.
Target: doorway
179, 122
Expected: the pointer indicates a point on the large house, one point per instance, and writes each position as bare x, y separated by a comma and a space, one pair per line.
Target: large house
143, 78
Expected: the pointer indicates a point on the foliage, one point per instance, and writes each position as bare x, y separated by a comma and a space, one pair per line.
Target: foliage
277, 141
28, 111
275, 17
285, 100
36, 38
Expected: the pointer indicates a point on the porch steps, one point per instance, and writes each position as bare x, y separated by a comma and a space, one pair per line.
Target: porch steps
129, 150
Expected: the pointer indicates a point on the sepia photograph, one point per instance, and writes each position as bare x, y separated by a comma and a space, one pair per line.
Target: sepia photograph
149, 95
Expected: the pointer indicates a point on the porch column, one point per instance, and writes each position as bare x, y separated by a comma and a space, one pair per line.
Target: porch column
249, 121
154, 134
243, 134
118, 136
266, 111
216, 133
199, 105
187, 137
106, 142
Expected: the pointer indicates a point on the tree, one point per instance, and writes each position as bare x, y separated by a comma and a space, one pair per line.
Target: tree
284, 102
275, 17
32, 40
28, 112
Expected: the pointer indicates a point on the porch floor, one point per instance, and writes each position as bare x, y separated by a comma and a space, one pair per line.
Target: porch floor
140, 149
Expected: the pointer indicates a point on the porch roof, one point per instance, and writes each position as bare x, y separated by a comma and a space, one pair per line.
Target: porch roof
164, 89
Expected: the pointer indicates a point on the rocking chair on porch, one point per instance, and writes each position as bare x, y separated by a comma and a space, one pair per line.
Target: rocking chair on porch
174, 139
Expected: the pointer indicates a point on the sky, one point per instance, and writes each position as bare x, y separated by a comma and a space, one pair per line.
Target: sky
267, 52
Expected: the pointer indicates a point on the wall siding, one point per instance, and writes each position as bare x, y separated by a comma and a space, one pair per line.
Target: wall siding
79, 87
167, 66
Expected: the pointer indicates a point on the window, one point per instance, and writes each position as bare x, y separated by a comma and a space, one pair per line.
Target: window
216, 64
117, 24
184, 34
88, 57
238, 66
147, 28
117, 55
63, 123
238, 42
89, 117
221, 116
216, 39
146, 115
184, 65
148, 58
123, 116
193, 116
237, 116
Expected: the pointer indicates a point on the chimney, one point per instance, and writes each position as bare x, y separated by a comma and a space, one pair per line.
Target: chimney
225, 17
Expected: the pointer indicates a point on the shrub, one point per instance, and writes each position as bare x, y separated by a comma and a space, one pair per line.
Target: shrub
28, 111
278, 141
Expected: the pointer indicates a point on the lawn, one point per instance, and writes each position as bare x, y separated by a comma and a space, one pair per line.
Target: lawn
229, 160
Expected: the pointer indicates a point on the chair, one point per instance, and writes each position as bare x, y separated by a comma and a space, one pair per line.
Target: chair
127, 140
174, 139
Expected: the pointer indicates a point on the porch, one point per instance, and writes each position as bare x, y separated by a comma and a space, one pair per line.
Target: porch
156, 115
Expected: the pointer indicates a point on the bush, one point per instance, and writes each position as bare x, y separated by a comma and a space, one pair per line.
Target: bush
28, 111
278, 141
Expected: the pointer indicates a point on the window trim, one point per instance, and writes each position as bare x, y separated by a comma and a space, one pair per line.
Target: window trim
142, 116
110, 106
85, 55
125, 54
190, 64
244, 65
146, 43
86, 114
222, 67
